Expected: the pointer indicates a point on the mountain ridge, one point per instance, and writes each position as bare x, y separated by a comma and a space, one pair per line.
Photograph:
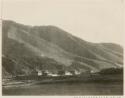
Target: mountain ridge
23, 41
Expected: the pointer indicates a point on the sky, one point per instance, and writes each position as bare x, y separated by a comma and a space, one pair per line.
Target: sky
91, 20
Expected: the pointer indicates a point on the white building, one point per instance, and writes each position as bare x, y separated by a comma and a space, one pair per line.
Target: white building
77, 72
68, 73
39, 73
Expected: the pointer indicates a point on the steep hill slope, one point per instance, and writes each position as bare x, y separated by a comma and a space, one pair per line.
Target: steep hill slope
27, 48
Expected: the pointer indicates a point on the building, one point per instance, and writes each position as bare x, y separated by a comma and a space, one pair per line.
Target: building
68, 73
77, 72
39, 73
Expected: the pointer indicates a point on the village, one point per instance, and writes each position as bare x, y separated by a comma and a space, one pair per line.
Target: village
58, 75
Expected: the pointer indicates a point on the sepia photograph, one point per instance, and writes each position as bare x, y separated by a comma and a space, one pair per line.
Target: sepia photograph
62, 47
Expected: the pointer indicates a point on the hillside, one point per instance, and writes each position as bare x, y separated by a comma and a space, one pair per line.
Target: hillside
27, 48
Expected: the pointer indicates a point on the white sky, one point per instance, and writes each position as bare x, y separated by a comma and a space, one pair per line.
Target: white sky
91, 20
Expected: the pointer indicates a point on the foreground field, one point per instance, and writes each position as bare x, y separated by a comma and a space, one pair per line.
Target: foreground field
79, 85
111, 88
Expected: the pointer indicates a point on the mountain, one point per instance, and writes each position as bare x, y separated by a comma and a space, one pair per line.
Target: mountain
27, 48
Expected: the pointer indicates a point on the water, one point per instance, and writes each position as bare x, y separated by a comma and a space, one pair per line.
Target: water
112, 88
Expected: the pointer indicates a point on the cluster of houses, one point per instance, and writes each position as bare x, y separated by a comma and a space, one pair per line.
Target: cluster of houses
59, 73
